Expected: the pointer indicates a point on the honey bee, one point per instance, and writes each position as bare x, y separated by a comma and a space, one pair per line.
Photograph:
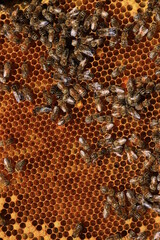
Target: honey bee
153, 184
8, 165
7, 69
4, 87
94, 22
157, 72
27, 93
107, 127
2, 79
124, 39
114, 23
47, 15
131, 235
42, 109
64, 57
97, 42
2, 221
54, 114
106, 210
152, 30
87, 22
63, 88
155, 198
120, 141
20, 165
121, 199
117, 71
98, 103
77, 230
113, 41
158, 187
116, 236
74, 94
158, 177
25, 44
103, 92
156, 235
86, 50
64, 120
99, 119
17, 93
42, 61
89, 119
25, 70
157, 61
84, 143
131, 197
107, 141
3, 181
82, 91
133, 113
108, 191
141, 33
113, 202
95, 86
145, 192
136, 140
85, 156
63, 106
107, 32
142, 236
48, 97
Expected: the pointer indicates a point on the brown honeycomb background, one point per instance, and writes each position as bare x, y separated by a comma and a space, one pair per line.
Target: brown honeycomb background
57, 188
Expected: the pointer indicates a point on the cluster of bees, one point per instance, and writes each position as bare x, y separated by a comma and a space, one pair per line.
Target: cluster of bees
71, 40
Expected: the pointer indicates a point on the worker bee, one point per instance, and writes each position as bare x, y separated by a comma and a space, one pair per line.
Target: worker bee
85, 156
113, 41
156, 235
120, 141
103, 92
113, 202
2, 79
89, 119
98, 103
107, 32
114, 23
153, 54
155, 198
4, 87
20, 165
64, 57
121, 199
42, 109
48, 97
131, 197
133, 113
136, 140
94, 22
86, 50
107, 141
87, 22
70, 100
145, 192
131, 235
152, 30
7, 69
99, 119
25, 70
116, 236
81, 90
3, 181
8, 165
74, 94
84, 143
107, 190
142, 236
62, 87
117, 71
157, 61
63, 106
124, 39
97, 42
157, 72
27, 93
42, 61
106, 210
153, 184
64, 120
94, 86
55, 112
141, 33
17, 93
47, 15
77, 230
25, 44
107, 127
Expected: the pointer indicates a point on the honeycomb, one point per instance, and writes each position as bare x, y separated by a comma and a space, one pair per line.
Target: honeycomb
57, 189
